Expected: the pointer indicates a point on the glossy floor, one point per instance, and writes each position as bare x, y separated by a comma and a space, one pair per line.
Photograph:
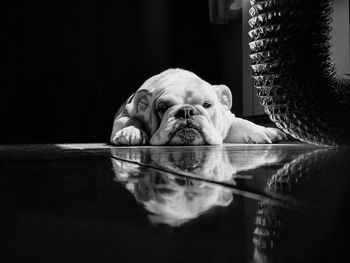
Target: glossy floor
235, 203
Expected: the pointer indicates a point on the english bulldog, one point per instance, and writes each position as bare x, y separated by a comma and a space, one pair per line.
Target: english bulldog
176, 107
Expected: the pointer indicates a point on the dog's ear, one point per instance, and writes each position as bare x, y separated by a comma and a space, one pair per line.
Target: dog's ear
138, 104
141, 106
224, 95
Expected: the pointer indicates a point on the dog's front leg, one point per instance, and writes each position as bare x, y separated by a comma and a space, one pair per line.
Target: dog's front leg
243, 131
128, 131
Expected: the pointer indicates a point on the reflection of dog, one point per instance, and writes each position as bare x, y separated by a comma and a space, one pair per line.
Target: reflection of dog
203, 162
174, 200
170, 200
177, 107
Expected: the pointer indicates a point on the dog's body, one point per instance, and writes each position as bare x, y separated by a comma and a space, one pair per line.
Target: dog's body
176, 107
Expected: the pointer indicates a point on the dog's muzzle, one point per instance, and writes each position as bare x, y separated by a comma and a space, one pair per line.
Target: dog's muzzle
187, 130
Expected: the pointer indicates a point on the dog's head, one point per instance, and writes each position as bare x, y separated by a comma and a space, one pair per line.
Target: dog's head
178, 107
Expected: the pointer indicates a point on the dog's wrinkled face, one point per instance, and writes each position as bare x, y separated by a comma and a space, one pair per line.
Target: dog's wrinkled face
187, 110
179, 108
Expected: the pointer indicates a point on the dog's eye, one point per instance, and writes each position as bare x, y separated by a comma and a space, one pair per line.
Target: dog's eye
163, 107
207, 105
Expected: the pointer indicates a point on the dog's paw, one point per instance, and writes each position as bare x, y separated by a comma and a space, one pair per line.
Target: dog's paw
130, 136
266, 135
276, 135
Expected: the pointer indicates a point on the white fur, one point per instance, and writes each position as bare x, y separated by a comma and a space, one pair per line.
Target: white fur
138, 123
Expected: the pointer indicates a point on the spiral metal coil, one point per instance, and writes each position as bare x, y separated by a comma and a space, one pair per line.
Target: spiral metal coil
293, 72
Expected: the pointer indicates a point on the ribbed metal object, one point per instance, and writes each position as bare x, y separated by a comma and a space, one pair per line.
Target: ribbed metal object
293, 72
311, 178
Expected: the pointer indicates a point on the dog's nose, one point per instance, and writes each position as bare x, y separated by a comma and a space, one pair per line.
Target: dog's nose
185, 112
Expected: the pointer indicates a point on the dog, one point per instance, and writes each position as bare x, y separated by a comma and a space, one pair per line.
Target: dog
176, 107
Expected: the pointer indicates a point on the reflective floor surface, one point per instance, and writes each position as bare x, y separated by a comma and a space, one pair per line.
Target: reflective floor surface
234, 203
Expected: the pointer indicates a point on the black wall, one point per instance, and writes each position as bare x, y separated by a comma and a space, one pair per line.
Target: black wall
66, 68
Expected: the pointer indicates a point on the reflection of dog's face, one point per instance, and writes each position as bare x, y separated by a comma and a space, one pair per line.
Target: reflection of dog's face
170, 199
208, 164
180, 108
174, 200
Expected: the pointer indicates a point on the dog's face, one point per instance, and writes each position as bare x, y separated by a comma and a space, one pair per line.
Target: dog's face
177, 107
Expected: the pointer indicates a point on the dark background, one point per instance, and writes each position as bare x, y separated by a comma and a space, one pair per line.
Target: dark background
66, 68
